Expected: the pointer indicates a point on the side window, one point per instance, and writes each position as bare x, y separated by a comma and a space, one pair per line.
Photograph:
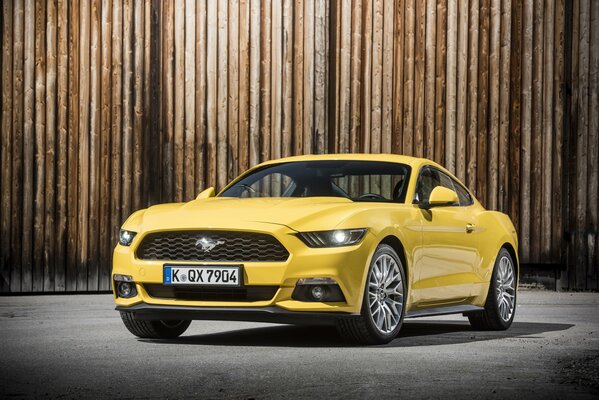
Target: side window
463, 195
429, 179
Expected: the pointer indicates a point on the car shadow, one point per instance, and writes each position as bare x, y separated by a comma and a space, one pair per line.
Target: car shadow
412, 334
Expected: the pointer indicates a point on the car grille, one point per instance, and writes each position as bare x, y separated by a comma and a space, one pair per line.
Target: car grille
232, 246
248, 293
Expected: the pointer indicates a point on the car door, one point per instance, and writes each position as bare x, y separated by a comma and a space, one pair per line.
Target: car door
448, 255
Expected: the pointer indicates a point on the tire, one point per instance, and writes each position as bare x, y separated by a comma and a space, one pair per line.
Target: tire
154, 329
388, 299
500, 306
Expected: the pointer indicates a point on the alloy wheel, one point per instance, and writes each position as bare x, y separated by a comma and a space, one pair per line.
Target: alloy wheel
385, 293
506, 288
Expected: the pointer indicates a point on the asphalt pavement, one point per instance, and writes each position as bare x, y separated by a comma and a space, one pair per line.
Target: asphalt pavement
75, 346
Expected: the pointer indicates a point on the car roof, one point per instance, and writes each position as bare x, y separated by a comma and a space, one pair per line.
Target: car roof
397, 158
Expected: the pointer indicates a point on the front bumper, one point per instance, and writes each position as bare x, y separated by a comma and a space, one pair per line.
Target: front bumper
346, 265
272, 314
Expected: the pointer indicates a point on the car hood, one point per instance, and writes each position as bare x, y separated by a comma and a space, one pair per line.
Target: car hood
234, 213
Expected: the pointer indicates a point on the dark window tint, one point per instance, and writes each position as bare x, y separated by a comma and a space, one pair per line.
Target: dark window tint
463, 195
429, 179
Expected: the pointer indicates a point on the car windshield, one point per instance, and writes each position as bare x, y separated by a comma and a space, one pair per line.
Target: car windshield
355, 180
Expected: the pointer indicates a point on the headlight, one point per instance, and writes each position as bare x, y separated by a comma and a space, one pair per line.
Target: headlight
336, 238
126, 237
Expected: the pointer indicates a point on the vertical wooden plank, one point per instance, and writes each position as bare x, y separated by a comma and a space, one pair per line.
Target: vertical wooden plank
367, 65
255, 79
222, 84
451, 99
419, 79
200, 101
515, 113
6, 147
189, 99
128, 104
168, 53
483, 101
320, 75
537, 131
440, 79
387, 102
430, 78
408, 90
38, 165
155, 120
493, 142
28, 147
547, 133
308, 94
138, 104
233, 89
149, 118
50, 160
287, 81
398, 76
593, 168
105, 244
526, 117
461, 92
179, 138
94, 146
276, 29
298, 79
355, 125
344, 81
504, 106
83, 177
471, 145
61, 147
73, 148
116, 118
244, 84
559, 172
376, 82
211, 99
583, 269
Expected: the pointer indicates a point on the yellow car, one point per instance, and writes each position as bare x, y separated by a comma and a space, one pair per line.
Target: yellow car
359, 241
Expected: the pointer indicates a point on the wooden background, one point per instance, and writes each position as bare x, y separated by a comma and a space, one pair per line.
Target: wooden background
111, 105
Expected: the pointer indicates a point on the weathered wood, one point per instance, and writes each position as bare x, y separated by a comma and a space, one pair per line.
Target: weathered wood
419, 78
367, 9
308, 74
461, 91
471, 142
62, 60
430, 78
6, 138
440, 80
593, 167
50, 153
84, 119
200, 94
451, 97
222, 88
536, 131
94, 146
73, 148
138, 104
189, 150
376, 81
387, 92
298, 79
255, 88
287, 81
179, 102
547, 133
483, 101
493, 139
244, 84
515, 113
558, 171
233, 91
526, 107
168, 101
320, 76
355, 84
211, 96
276, 52
116, 118
408, 79
504, 107
344, 78
104, 191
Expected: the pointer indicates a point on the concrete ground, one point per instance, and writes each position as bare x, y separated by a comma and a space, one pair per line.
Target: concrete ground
76, 346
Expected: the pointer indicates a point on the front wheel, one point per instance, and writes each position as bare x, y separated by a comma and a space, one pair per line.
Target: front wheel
500, 306
384, 301
154, 329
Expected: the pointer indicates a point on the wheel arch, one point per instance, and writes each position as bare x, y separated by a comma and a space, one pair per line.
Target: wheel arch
510, 249
395, 243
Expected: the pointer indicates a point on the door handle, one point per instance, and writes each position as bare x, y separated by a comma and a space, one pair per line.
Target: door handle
470, 228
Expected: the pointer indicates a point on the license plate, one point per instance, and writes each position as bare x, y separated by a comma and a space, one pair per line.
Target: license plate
202, 275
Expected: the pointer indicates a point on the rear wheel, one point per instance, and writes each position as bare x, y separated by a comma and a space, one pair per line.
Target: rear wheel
383, 305
154, 329
500, 306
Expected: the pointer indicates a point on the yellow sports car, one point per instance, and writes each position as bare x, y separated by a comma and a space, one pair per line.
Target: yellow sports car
358, 241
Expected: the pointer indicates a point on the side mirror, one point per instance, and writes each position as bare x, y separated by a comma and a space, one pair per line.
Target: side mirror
440, 197
206, 193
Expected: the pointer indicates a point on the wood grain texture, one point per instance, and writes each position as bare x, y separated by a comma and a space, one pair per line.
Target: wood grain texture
116, 105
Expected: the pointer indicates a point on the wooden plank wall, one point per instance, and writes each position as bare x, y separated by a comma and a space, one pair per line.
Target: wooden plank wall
111, 105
